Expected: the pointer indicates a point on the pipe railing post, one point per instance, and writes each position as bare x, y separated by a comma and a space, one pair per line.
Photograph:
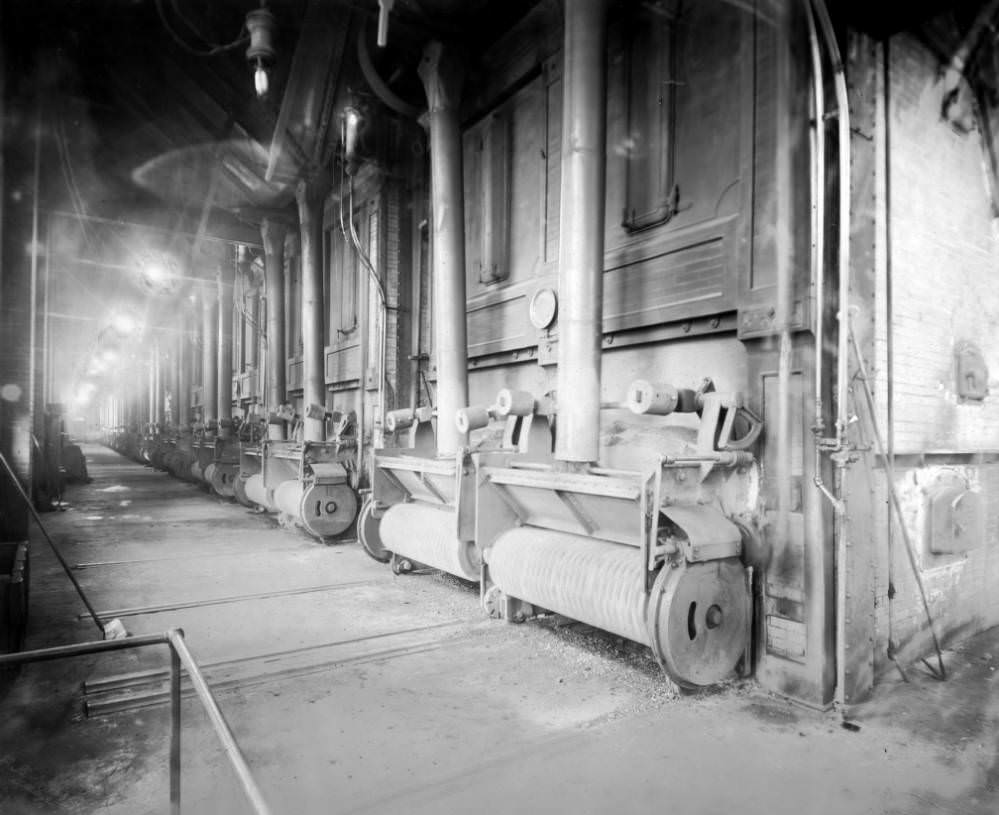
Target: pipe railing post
273, 233
175, 700
442, 74
313, 350
581, 253
180, 658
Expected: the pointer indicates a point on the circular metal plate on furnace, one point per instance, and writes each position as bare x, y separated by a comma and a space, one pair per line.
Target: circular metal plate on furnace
543, 308
328, 509
698, 620
224, 478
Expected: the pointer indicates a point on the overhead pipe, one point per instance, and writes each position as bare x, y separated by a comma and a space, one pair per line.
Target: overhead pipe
441, 74
272, 234
581, 249
958, 63
313, 352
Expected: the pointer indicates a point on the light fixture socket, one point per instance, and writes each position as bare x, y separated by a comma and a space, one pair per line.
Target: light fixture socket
261, 53
260, 23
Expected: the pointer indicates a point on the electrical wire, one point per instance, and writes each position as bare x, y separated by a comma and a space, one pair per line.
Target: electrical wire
210, 52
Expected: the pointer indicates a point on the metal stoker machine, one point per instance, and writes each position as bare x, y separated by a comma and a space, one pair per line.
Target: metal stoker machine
422, 508
652, 557
308, 483
248, 437
181, 454
203, 454
222, 471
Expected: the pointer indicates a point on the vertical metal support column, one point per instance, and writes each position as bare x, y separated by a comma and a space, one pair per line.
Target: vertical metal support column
151, 407
209, 355
442, 73
182, 413
158, 383
272, 234
175, 701
226, 279
581, 253
313, 351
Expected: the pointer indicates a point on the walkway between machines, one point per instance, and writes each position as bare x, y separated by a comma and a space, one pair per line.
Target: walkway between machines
384, 694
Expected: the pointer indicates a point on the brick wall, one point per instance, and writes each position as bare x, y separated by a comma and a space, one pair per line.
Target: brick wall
944, 262
944, 266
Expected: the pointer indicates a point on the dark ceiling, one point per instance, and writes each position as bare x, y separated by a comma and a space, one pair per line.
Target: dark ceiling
150, 137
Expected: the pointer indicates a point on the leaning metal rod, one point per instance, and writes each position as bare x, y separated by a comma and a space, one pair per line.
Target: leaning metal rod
235, 755
27, 501
897, 504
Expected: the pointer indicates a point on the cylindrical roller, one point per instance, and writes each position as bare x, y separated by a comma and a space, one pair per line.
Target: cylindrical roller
288, 497
195, 472
429, 535
208, 474
593, 581
239, 490
398, 420
651, 398
471, 418
514, 403
257, 492
699, 614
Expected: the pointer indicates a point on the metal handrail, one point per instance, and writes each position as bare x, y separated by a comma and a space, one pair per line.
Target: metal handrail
179, 656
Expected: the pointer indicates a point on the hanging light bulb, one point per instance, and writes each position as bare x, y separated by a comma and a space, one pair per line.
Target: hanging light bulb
261, 53
260, 81
352, 124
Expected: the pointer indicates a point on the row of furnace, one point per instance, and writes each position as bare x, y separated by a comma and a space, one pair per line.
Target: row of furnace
655, 557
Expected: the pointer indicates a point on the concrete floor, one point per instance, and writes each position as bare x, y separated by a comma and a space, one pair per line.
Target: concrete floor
398, 696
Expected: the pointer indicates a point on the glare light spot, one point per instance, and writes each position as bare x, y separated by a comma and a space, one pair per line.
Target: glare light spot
11, 392
124, 323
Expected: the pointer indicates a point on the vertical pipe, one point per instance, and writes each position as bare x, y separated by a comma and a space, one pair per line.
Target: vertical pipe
363, 334
581, 253
442, 75
46, 326
209, 355
784, 259
34, 414
182, 415
151, 406
272, 234
226, 280
313, 351
158, 389
175, 701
